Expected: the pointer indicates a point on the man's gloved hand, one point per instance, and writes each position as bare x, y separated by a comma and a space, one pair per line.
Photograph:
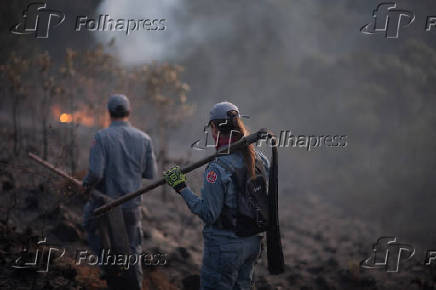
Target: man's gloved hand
175, 178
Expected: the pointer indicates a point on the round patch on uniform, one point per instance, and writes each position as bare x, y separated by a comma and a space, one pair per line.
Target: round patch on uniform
211, 176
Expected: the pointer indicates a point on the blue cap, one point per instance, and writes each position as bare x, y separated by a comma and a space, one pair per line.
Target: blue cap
118, 103
219, 110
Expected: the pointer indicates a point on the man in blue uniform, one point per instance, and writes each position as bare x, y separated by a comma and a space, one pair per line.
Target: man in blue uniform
228, 259
120, 157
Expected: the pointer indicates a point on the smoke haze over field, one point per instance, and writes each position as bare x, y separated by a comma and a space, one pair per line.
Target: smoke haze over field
299, 65
292, 29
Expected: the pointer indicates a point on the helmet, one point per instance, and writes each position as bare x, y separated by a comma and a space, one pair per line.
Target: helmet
220, 111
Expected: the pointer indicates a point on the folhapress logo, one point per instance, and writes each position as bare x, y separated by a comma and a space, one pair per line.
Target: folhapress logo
388, 19
44, 256
37, 20
387, 254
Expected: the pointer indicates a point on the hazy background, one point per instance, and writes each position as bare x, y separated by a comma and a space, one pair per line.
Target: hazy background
293, 65
304, 66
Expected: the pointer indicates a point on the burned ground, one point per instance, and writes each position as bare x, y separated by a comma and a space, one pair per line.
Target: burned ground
322, 246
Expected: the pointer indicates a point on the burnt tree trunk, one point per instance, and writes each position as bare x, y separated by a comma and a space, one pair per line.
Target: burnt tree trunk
16, 138
72, 145
163, 156
44, 127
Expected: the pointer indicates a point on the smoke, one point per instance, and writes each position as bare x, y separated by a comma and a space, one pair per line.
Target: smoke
304, 66
183, 30
297, 28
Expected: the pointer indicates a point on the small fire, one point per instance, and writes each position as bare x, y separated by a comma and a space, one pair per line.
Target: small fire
83, 117
65, 118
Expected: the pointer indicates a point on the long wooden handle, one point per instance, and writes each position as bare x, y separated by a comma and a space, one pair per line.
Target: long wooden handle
54, 169
65, 175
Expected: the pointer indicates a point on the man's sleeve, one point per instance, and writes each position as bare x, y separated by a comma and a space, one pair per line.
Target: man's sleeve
150, 166
97, 163
208, 207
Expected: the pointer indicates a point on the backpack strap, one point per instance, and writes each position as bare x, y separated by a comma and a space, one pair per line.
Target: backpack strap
260, 166
237, 174
224, 165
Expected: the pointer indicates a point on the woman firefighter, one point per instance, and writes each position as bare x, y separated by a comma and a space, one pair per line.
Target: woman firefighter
232, 244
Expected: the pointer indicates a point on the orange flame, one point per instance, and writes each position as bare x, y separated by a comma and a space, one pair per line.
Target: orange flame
65, 118
82, 117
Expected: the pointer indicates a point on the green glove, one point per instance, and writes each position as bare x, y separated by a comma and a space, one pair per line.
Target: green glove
175, 178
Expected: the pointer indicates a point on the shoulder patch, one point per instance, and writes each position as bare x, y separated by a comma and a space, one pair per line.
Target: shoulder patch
211, 176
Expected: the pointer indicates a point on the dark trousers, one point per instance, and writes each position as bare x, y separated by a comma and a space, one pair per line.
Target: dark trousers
132, 220
228, 263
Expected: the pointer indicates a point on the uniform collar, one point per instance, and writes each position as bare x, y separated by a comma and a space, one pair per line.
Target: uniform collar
225, 140
120, 124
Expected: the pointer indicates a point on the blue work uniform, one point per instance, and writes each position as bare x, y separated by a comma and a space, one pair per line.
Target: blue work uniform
228, 260
120, 157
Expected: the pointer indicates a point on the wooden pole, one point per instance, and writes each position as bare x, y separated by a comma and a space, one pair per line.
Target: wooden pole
63, 174
112, 232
